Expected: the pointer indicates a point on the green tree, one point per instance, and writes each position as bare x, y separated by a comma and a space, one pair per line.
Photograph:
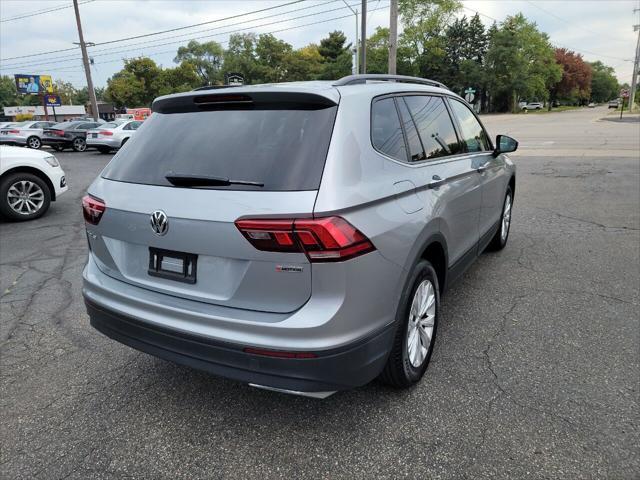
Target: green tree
270, 56
136, 85
182, 78
240, 57
304, 63
8, 92
423, 39
66, 90
521, 63
378, 51
604, 84
206, 58
336, 56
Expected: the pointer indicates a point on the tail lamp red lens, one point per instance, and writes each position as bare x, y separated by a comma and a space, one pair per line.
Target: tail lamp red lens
14, 131
59, 133
329, 239
106, 133
92, 209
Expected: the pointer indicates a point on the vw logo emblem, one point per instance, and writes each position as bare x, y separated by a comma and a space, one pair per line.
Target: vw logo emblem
159, 222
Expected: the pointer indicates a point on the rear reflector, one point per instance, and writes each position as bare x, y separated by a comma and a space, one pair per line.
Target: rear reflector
279, 353
329, 239
92, 209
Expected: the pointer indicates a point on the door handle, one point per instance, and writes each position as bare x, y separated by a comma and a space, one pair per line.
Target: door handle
435, 182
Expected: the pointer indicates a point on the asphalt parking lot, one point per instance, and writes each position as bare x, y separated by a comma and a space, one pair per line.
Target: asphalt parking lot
535, 373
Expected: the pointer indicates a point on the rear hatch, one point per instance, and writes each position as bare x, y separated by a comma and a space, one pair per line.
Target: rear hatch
200, 163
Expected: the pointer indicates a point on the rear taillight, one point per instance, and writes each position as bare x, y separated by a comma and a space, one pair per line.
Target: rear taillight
105, 132
92, 209
14, 131
59, 133
329, 239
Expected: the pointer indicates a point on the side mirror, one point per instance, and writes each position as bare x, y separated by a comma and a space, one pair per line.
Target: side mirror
505, 144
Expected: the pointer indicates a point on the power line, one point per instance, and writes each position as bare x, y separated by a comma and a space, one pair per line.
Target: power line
164, 31
70, 68
95, 54
42, 11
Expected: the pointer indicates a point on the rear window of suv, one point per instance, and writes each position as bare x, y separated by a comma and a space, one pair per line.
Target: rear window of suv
282, 149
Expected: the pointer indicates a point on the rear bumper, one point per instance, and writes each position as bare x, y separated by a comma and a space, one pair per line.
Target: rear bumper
336, 369
103, 142
13, 139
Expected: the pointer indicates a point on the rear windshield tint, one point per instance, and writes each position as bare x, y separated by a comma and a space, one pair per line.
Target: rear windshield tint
282, 149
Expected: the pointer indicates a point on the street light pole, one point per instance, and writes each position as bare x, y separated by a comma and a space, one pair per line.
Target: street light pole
85, 61
393, 36
357, 46
363, 47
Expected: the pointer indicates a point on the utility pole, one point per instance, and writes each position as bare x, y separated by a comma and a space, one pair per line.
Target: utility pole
636, 66
393, 36
85, 61
363, 47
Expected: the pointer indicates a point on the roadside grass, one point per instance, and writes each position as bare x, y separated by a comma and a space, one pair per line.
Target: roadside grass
562, 108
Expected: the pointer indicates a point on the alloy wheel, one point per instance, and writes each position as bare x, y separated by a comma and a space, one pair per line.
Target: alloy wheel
34, 142
79, 145
506, 219
422, 317
25, 197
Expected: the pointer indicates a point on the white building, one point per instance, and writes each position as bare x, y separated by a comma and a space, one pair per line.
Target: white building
62, 113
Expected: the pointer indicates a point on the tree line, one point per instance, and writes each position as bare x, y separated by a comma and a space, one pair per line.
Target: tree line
504, 64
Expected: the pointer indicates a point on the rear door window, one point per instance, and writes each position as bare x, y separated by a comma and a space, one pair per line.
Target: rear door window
386, 132
284, 149
474, 137
434, 125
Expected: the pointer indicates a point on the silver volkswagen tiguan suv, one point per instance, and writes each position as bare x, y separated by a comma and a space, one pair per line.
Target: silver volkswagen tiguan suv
295, 236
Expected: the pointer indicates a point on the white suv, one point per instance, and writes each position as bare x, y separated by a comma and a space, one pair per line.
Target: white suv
533, 106
29, 181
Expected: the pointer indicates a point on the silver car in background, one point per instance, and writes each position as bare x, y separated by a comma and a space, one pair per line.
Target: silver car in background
296, 237
112, 135
24, 133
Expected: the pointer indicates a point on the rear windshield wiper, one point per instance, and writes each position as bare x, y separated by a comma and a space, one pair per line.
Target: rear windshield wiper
187, 180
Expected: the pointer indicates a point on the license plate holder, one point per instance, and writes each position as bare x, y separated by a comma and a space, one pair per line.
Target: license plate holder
171, 265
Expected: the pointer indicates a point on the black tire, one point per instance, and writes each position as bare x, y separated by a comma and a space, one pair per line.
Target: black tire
14, 178
34, 142
104, 149
123, 142
79, 144
399, 371
499, 241
57, 148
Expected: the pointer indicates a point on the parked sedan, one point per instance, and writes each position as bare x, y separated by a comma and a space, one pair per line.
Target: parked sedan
24, 133
68, 135
113, 135
29, 182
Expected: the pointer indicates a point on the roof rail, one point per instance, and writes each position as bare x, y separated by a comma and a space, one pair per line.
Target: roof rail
363, 78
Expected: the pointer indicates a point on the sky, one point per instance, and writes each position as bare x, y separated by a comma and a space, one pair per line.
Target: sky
599, 29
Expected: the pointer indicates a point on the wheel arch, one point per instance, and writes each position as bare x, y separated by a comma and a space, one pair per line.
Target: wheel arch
34, 171
433, 247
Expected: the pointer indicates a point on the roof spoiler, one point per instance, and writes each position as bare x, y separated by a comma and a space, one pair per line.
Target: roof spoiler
225, 99
374, 77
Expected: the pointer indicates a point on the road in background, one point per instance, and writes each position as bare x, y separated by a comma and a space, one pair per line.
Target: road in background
534, 374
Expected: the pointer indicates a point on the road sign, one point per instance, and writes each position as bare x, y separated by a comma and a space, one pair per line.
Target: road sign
235, 79
52, 100
469, 94
624, 93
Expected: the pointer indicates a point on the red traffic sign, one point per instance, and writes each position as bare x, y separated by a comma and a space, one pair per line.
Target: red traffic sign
624, 93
